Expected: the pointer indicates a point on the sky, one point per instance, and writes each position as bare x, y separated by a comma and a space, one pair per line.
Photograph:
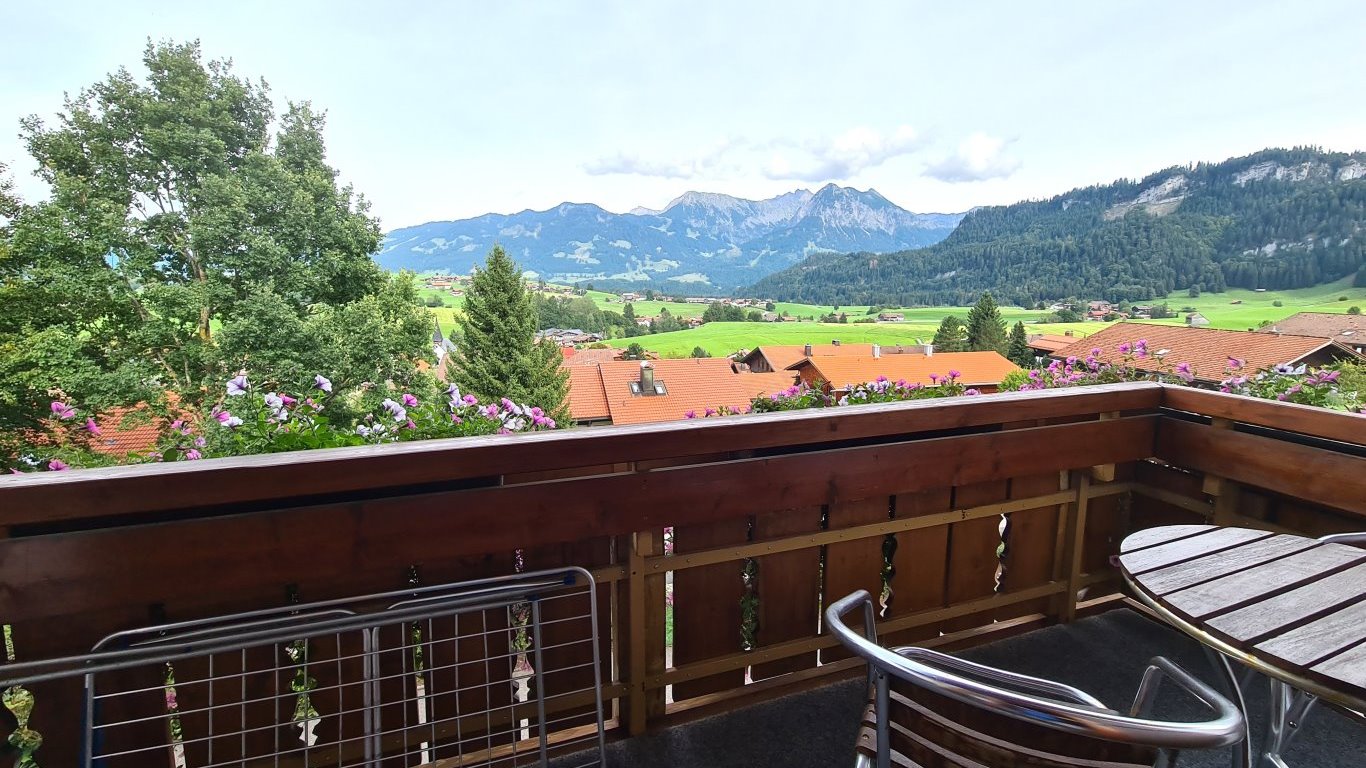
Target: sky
450, 110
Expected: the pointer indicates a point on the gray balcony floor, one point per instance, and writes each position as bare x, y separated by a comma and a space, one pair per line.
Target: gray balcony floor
1104, 655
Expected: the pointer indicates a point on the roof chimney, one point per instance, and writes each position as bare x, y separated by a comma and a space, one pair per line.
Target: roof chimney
929, 350
807, 351
834, 342
877, 350
647, 378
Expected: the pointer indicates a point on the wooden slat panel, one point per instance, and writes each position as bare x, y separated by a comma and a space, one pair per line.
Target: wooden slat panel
1149, 512
789, 588
1152, 537
707, 606
1184, 548
973, 547
1206, 568
1345, 669
1248, 586
1338, 479
921, 562
1320, 422
1250, 624
854, 565
42, 497
1031, 539
562, 628
1318, 640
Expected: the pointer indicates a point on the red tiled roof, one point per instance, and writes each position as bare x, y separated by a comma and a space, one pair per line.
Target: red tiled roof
1348, 329
1206, 350
587, 398
127, 430
782, 356
976, 369
694, 384
603, 391
594, 356
1051, 342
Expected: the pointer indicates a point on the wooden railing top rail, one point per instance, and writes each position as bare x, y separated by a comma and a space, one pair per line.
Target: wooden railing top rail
1305, 419
275, 479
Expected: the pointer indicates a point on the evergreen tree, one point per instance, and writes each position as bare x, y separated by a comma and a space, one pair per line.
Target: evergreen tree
1019, 351
952, 335
700, 352
986, 329
497, 355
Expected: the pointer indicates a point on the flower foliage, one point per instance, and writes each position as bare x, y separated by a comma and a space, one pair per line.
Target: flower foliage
249, 421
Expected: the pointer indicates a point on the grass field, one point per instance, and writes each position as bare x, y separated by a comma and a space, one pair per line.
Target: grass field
920, 323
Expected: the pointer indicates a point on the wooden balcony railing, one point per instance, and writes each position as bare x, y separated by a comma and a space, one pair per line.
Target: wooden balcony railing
973, 517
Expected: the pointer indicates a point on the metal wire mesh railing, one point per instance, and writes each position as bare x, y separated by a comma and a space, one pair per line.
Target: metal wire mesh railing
495, 672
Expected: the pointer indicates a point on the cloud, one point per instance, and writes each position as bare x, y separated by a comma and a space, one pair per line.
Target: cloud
702, 163
832, 158
978, 158
842, 156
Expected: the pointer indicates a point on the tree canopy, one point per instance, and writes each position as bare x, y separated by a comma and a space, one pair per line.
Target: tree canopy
986, 328
185, 239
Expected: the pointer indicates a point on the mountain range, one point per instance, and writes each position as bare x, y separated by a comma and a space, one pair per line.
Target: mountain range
700, 242
1276, 219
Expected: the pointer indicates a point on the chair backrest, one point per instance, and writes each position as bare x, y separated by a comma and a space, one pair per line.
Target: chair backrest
926, 729
931, 709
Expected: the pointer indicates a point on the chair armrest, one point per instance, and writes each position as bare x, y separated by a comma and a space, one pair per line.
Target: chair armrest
1025, 682
1160, 668
1356, 539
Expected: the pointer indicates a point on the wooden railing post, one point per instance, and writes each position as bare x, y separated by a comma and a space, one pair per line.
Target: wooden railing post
1105, 473
1074, 544
645, 635
1224, 491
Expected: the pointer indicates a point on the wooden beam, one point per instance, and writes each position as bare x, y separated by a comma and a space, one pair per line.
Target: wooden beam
1312, 475
645, 633
796, 647
790, 543
1076, 527
1305, 419
250, 482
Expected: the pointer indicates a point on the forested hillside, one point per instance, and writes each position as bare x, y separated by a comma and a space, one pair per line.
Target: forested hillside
1276, 219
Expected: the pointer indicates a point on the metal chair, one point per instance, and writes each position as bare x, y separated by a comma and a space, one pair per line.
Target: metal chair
932, 709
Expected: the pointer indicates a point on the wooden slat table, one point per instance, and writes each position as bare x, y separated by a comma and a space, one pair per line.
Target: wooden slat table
1290, 607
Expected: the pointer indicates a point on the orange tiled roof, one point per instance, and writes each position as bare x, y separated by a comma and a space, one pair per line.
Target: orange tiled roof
693, 384
782, 356
758, 384
587, 398
1051, 342
126, 430
976, 369
1348, 329
603, 391
1207, 350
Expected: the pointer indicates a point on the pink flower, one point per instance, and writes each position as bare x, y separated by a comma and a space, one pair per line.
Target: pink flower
62, 410
1125, 348
410, 424
92, 427
934, 378
972, 392
409, 400
199, 442
1235, 363
177, 424
287, 400
193, 454
711, 412
693, 414
57, 465
954, 374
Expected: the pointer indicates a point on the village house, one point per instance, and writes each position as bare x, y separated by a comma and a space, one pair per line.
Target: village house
1046, 344
1196, 320
572, 356
777, 357
1349, 330
644, 391
1207, 350
568, 337
982, 371
890, 317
